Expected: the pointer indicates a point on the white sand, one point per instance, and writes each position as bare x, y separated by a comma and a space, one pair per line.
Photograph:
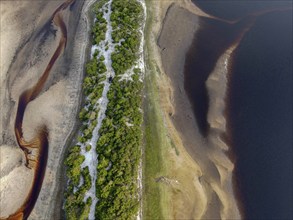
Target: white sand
91, 159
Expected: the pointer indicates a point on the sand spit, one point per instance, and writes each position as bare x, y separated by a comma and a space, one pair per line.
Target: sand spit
25, 34
202, 170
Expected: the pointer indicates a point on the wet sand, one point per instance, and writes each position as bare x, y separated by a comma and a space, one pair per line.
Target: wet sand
25, 34
193, 94
210, 194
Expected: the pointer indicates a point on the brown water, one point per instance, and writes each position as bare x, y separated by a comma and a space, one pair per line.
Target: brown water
37, 161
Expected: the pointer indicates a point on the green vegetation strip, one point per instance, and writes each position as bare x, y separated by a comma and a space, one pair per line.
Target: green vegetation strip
155, 198
92, 87
75, 207
119, 145
79, 181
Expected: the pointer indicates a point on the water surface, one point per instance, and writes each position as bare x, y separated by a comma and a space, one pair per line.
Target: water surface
260, 108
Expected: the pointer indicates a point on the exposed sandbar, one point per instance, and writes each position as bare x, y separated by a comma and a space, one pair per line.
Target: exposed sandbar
212, 169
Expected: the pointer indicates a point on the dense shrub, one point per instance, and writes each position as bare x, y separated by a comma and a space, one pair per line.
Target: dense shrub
118, 146
120, 135
126, 19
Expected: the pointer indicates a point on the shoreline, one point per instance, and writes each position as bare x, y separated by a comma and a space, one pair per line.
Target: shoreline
71, 139
211, 167
57, 202
210, 153
241, 177
174, 181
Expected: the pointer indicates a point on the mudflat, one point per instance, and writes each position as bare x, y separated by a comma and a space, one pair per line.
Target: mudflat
28, 41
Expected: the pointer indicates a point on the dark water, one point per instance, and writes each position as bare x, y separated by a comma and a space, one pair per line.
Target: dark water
210, 42
237, 9
260, 108
259, 99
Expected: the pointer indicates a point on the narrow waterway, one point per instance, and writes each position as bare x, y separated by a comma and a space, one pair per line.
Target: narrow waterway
37, 160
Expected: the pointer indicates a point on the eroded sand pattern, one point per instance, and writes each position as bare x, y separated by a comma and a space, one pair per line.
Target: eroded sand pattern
37, 161
43, 48
49, 107
193, 103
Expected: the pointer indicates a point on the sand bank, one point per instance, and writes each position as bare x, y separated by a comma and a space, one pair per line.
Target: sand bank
25, 34
201, 169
